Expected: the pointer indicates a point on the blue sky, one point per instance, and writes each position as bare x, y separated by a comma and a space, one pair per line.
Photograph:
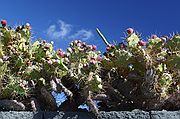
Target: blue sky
64, 20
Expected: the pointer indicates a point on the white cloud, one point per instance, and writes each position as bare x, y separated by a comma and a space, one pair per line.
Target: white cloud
82, 35
61, 30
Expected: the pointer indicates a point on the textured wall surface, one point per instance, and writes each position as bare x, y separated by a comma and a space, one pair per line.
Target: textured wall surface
136, 114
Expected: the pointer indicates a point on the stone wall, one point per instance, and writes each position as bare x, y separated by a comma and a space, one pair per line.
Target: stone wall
136, 114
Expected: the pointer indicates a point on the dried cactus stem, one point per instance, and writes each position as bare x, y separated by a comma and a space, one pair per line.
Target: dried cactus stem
88, 96
57, 86
100, 97
49, 99
12, 105
149, 92
113, 93
34, 104
102, 36
0, 88
92, 106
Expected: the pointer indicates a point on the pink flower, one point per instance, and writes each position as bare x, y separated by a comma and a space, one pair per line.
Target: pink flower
94, 47
93, 62
4, 23
76, 41
28, 26
90, 47
122, 45
142, 43
99, 58
84, 44
44, 41
60, 53
49, 62
112, 46
79, 44
130, 31
47, 46
5, 58
108, 48
154, 36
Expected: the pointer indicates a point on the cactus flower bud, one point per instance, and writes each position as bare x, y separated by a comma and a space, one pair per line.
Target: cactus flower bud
28, 26
130, 31
93, 62
90, 47
79, 44
3, 23
94, 47
49, 62
76, 41
5, 58
99, 58
154, 36
60, 53
122, 45
142, 43
108, 48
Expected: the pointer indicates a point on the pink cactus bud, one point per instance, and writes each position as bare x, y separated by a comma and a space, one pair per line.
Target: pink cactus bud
94, 47
76, 41
49, 62
93, 62
99, 58
4, 23
84, 44
60, 53
28, 26
56, 61
108, 48
112, 46
142, 43
47, 46
130, 30
90, 47
44, 41
154, 36
122, 45
5, 58
79, 41
79, 44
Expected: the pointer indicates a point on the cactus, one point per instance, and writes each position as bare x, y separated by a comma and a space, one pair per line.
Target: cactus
153, 69
139, 73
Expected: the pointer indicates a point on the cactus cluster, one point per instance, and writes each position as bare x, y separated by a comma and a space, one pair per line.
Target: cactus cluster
142, 73
151, 65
